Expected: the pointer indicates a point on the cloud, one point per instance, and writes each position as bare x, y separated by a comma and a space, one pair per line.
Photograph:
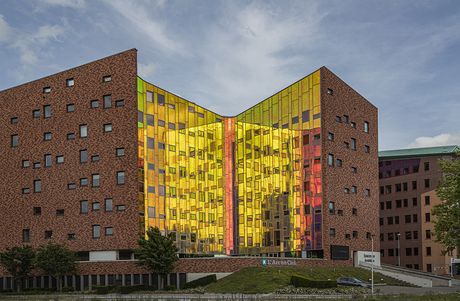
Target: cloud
5, 30
68, 3
145, 71
439, 140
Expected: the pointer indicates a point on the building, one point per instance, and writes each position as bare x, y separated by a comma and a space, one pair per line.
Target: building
95, 155
408, 180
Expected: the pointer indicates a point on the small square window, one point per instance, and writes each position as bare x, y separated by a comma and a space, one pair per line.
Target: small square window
84, 182
36, 113
121, 208
119, 103
94, 104
70, 82
59, 159
60, 212
25, 190
346, 190
14, 120
37, 210
107, 78
47, 90
353, 125
70, 136
47, 136
94, 158
107, 127
109, 231
96, 206
25, 163
71, 186
37, 165
120, 152
48, 234
329, 91
70, 108
72, 236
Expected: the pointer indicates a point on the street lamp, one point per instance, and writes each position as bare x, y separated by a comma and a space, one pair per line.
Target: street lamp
372, 264
399, 250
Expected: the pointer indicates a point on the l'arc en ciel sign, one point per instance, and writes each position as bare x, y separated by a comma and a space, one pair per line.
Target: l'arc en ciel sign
272, 262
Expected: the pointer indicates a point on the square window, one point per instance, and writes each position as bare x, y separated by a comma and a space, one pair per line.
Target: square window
60, 212
119, 103
329, 91
353, 169
37, 165
37, 210
346, 190
25, 163
25, 190
70, 108
120, 152
84, 182
71, 186
94, 158
47, 90
72, 236
120, 177
107, 78
161, 123
36, 113
14, 120
95, 181
108, 205
47, 136
96, 231
109, 231
107, 127
48, 234
70, 136
70, 82
353, 125
121, 208
94, 104
96, 206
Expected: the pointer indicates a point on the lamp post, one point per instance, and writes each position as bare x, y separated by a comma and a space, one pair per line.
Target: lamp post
372, 265
399, 251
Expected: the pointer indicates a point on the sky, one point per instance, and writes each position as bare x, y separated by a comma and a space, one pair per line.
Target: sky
226, 56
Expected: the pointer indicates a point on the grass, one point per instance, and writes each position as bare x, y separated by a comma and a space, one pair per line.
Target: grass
267, 279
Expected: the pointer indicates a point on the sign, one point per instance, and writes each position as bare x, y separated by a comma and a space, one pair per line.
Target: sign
274, 262
340, 252
367, 258
455, 266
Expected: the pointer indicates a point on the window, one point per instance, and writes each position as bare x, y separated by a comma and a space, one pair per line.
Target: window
48, 234
338, 119
306, 139
414, 202
339, 163
107, 78
84, 182
390, 220
96, 231
108, 127
427, 217
346, 145
14, 120
330, 137
415, 235
388, 204
345, 118
353, 144
408, 251
347, 236
47, 110
398, 187
366, 127
84, 207
405, 186
94, 158
414, 185
329, 91
120, 177
331, 207
390, 236
428, 268
396, 220
96, 206
415, 168
355, 234
70, 136
427, 166
388, 188
36, 113
108, 205
14, 140
95, 180
332, 232
47, 90
83, 156
107, 101
331, 160
353, 125
70, 108
109, 231
427, 200
37, 186
37, 165
72, 236
408, 218
427, 183
70, 82
25, 163
354, 212
346, 190
368, 192
48, 161
83, 130
366, 149
428, 251
427, 234
60, 212
37, 210
339, 212
47, 136
353, 189
71, 186
391, 252
94, 104
120, 152
398, 204
381, 222
353, 169
26, 235
119, 103
161, 123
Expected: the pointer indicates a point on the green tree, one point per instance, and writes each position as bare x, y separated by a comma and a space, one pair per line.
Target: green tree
18, 262
447, 225
157, 253
57, 260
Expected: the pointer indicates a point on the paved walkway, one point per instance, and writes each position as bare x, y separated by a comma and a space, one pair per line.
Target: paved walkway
387, 289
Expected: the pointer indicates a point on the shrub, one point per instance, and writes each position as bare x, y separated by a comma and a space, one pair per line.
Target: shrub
299, 281
72, 289
101, 290
6, 290
134, 288
65, 289
203, 281
170, 287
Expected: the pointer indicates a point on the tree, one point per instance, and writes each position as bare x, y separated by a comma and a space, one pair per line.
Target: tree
57, 260
447, 225
18, 262
157, 254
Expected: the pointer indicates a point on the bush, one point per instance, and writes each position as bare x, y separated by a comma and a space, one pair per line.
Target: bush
135, 288
40, 289
203, 281
101, 290
6, 290
65, 289
72, 289
299, 281
170, 287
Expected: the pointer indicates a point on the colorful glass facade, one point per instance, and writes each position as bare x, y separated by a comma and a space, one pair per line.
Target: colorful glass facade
248, 184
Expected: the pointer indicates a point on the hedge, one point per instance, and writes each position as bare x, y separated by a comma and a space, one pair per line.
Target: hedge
102, 290
203, 281
135, 288
170, 287
299, 281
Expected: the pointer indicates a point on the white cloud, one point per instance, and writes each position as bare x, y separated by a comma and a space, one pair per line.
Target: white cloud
69, 3
5, 30
145, 71
439, 140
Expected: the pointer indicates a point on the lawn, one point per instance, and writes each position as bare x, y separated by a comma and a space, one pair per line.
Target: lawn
266, 279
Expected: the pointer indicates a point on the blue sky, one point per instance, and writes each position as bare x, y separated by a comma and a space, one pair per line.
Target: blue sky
402, 56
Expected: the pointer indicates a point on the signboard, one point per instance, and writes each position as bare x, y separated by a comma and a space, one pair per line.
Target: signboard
340, 252
275, 262
367, 258
455, 267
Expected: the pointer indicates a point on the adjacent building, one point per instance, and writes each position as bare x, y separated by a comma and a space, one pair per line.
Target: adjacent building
95, 155
408, 180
